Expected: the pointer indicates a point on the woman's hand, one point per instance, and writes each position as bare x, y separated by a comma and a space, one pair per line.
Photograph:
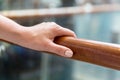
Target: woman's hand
40, 37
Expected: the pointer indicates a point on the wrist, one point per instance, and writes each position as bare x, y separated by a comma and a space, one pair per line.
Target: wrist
16, 34
22, 35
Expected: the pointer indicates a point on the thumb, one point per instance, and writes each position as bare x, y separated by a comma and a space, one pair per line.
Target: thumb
60, 50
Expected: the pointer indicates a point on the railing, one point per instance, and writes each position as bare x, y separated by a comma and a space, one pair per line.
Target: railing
104, 54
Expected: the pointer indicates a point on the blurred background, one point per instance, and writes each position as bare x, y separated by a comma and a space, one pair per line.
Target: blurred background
89, 19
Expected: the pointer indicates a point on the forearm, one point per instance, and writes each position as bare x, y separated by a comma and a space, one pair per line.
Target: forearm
10, 30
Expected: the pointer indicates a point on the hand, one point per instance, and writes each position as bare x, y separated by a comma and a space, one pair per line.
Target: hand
40, 37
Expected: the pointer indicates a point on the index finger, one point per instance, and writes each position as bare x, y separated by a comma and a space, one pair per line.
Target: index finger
65, 32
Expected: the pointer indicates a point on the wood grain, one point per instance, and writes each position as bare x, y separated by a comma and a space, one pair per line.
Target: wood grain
103, 54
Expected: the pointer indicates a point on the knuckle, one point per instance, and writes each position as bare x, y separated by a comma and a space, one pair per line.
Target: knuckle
72, 32
55, 28
49, 44
59, 51
46, 46
52, 23
55, 48
58, 28
43, 23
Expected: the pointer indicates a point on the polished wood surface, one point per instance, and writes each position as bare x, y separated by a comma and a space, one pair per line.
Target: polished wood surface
99, 53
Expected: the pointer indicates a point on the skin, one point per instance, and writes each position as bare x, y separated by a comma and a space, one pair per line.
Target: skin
39, 37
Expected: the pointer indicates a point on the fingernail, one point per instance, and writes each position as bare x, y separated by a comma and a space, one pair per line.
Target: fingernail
69, 53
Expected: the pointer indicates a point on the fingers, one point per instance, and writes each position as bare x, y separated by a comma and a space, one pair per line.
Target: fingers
51, 30
60, 50
60, 31
65, 32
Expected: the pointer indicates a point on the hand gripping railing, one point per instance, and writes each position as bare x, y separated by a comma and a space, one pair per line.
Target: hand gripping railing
95, 52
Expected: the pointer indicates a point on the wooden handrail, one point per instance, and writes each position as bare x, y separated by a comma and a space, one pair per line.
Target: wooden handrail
95, 52
99, 53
